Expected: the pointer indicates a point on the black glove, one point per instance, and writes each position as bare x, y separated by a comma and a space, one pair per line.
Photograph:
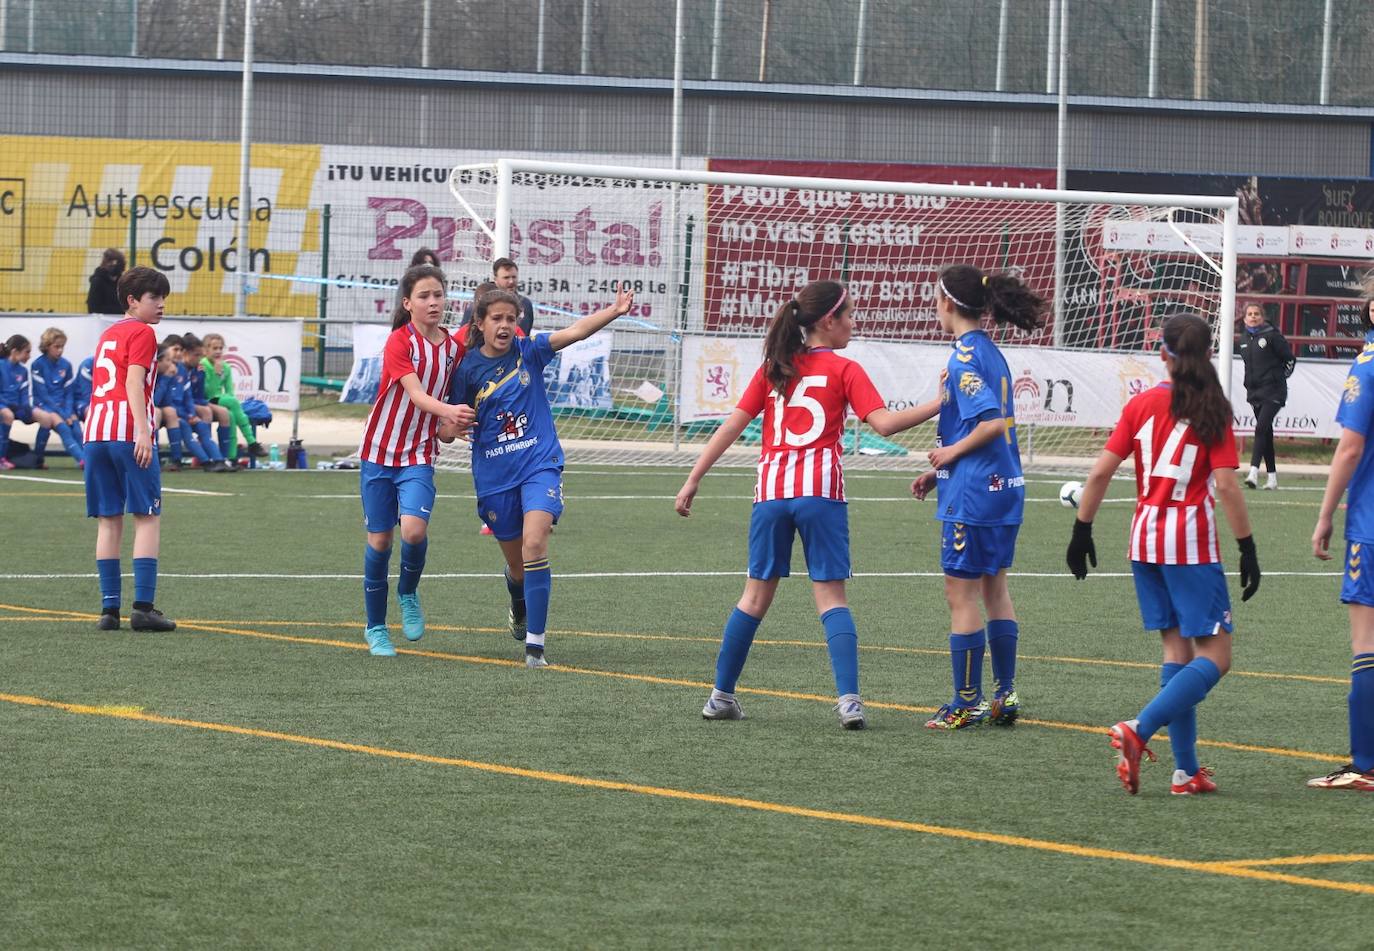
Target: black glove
1249, 567
1082, 550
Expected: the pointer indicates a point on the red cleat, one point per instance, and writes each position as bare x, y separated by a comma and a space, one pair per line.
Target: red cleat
1185, 785
1128, 764
486, 529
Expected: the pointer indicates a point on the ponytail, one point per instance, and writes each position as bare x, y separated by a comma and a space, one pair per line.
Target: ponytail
787, 333
1197, 394
400, 316
1006, 297
14, 344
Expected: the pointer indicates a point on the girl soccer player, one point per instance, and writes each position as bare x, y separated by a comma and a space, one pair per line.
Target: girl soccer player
52, 378
804, 390
517, 462
981, 491
219, 390
398, 450
15, 400
1180, 435
1352, 465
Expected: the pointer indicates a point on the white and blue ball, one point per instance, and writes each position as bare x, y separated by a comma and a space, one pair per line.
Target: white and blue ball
1070, 493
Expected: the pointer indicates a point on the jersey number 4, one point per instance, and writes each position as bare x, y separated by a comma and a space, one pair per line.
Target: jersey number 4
799, 400
1165, 467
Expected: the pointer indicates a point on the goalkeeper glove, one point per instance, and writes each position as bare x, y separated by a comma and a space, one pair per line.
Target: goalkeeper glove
1249, 567
1082, 550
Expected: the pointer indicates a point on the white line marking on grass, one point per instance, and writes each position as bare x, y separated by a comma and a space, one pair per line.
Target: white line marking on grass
591, 575
79, 482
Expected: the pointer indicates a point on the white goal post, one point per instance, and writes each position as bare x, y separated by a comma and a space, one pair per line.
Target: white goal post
711, 256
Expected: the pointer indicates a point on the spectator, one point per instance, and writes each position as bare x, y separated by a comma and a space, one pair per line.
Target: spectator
102, 297
506, 275
1268, 361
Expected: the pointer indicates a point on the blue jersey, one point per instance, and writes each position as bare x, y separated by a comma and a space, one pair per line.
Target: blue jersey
14, 384
81, 386
515, 436
986, 486
52, 384
195, 377
1356, 413
163, 391
182, 401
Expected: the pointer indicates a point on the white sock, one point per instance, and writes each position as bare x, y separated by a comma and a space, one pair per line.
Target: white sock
721, 695
534, 640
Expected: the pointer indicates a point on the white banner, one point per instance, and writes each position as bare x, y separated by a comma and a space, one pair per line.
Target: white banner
264, 353
366, 374
1332, 242
1049, 387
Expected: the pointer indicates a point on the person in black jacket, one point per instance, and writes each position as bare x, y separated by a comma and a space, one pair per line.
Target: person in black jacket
102, 297
1268, 363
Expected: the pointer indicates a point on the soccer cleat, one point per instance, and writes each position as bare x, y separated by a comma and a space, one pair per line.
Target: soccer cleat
1124, 738
379, 641
1196, 785
256, 451
850, 710
108, 622
1005, 709
1272, 482
1347, 777
720, 707
412, 618
485, 530
150, 620
5, 464
534, 658
950, 717
515, 623
1252, 478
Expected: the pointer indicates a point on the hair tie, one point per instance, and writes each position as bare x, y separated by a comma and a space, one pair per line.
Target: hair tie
945, 290
1167, 351
844, 295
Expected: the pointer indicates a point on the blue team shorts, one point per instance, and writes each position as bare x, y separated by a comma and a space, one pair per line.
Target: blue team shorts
823, 525
504, 512
1356, 585
392, 491
973, 551
1192, 598
116, 484
22, 414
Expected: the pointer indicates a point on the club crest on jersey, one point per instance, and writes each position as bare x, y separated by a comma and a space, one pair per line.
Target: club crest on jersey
510, 426
970, 383
524, 377
996, 483
1262, 342
1351, 389
491, 516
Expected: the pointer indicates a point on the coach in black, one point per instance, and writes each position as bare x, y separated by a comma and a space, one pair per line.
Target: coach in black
1268, 363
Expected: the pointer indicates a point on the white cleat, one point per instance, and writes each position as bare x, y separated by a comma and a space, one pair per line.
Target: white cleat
722, 706
850, 710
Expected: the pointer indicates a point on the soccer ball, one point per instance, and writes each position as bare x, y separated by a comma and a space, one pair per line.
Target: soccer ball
1070, 493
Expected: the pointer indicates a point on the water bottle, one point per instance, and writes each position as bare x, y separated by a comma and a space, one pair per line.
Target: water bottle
274, 457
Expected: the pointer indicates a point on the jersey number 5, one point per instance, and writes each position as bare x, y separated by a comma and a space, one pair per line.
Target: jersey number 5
103, 362
1165, 468
799, 400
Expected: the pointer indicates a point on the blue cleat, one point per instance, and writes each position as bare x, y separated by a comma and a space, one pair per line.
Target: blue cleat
379, 641
412, 618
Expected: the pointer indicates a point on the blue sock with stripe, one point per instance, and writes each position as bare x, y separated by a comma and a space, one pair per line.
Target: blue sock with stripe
734, 648
1186, 689
412, 565
1002, 638
69, 440
1182, 728
374, 584
145, 583
1361, 702
966, 657
110, 582
538, 588
842, 643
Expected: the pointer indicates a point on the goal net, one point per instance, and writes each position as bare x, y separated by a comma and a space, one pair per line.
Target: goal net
711, 256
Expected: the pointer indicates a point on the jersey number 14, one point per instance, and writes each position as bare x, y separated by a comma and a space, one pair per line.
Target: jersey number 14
1181, 471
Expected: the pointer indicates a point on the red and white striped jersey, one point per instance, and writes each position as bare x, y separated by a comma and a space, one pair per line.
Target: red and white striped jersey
129, 343
1175, 519
802, 429
399, 433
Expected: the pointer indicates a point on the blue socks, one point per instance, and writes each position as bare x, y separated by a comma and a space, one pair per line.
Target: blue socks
145, 582
1002, 636
190, 442
5, 440
207, 441
734, 649
1361, 702
966, 657
412, 564
70, 440
842, 642
1182, 728
108, 569
174, 451
374, 584
40, 442
538, 587
1186, 689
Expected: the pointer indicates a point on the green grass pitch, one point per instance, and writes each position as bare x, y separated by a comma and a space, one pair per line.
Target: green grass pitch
256, 779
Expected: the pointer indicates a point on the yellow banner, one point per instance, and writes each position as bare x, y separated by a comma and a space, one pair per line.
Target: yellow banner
172, 205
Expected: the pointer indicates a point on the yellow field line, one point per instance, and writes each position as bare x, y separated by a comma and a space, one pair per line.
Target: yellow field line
663, 792
1302, 860
58, 616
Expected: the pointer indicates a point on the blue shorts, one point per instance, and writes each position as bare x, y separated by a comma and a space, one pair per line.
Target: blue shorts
823, 525
22, 413
973, 551
1192, 598
392, 491
504, 512
116, 484
1357, 587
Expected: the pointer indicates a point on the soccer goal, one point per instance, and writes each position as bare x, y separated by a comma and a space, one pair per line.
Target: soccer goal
711, 256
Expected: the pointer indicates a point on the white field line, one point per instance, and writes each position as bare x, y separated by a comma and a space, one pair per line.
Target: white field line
592, 575
78, 482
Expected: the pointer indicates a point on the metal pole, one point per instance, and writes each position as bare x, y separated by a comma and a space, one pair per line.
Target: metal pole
859, 41
1051, 47
1200, 49
677, 90
4, 23
539, 39
1002, 48
424, 35
1227, 318
31, 3
500, 243
1326, 55
586, 36
324, 289
219, 30
763, 41
1061, 171
245, 191
1152, 83
717, 20
133, 27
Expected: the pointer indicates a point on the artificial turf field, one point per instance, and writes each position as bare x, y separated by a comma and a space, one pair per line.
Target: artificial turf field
257, 779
